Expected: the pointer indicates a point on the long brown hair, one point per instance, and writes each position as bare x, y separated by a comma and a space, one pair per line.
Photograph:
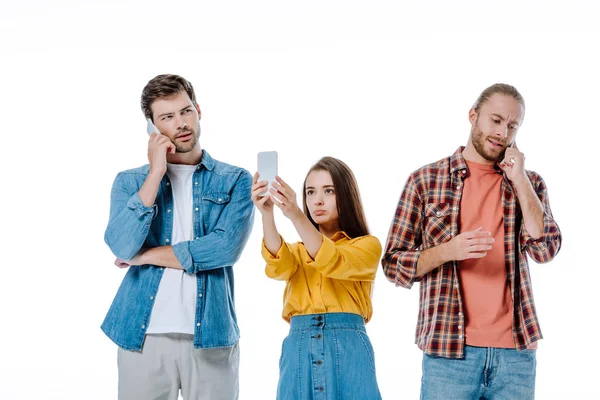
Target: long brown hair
347, 197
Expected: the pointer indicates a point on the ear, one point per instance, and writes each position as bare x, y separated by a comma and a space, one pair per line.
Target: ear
199, 112
472, 116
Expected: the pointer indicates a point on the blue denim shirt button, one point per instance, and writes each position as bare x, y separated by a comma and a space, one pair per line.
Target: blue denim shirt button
169, 210
196, 208
143, 326
199, 294
167, 240
198, 324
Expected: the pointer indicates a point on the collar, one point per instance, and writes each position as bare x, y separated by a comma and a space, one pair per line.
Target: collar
207, 161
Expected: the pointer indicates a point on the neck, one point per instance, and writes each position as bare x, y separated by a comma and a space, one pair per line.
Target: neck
470, 154
192, 157
329, 229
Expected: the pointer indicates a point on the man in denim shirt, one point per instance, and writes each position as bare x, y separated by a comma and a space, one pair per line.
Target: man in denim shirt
179, 224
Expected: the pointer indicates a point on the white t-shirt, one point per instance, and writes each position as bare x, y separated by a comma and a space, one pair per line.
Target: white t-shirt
175, 304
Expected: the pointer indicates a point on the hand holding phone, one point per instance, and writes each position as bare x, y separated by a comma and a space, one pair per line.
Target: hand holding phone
267, 168
151, 128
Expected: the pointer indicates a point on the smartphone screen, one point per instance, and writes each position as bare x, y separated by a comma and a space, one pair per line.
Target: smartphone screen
267, 167
151, 128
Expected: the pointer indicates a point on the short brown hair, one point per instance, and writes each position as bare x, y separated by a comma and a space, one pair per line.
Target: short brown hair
163, 86
501, 88
347, 197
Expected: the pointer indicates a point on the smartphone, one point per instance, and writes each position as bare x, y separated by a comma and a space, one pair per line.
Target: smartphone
151, 128
267, 167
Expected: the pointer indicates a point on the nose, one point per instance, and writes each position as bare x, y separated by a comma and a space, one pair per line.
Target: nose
181, 124
318, 200
502, 131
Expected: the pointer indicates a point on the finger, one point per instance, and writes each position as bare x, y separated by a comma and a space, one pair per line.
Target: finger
264, 200
259, 185
514, 146
278, 204
277, 196
479, 248
281, 182
280, 189
475, 255
255, 178
478, 233
485, 240
278, 193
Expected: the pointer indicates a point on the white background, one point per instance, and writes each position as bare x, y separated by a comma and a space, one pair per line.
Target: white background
384, 85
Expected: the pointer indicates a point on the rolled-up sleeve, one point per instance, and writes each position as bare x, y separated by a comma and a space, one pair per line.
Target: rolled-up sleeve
404, 243
354, 260
544, 248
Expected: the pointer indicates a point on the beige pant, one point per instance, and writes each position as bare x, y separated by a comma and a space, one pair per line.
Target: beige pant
169, 362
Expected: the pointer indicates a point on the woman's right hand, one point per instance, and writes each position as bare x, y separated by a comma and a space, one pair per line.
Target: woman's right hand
263, 203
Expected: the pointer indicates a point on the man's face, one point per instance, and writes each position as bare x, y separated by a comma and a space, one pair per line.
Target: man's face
495, 126
178, 118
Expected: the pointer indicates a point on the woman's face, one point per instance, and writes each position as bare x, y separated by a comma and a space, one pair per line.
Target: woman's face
320, 197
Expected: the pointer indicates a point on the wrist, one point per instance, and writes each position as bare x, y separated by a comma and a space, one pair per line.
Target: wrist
155, 174
521, 183
267, 215
297, 216
444, 253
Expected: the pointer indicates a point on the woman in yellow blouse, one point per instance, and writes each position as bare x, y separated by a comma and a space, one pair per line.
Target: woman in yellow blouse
329, 275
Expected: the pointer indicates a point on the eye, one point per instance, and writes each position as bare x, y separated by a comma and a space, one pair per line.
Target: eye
165, 118
329, 191
187, 111
496, 120
512, 127
310, 192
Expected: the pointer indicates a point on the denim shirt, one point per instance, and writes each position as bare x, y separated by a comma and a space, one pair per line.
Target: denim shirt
223, 218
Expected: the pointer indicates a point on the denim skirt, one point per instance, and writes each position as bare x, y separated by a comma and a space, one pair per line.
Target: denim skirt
327, 357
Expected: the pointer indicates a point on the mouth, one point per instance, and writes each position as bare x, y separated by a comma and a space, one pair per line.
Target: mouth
184, 136
496, 144
318, 213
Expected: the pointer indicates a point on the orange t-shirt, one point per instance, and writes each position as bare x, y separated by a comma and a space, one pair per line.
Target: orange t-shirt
484, 281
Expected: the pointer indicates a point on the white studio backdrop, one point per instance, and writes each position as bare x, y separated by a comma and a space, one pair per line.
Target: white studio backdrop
384, 86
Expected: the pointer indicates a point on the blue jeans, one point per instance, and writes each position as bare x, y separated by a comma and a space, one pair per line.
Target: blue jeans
327, 357
485, 373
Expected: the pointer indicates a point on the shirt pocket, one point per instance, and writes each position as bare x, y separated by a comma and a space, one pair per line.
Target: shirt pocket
437, 223
213, 205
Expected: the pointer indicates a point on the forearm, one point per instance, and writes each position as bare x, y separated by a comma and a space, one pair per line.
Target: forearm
149, 189
531, 207
432, 258
162, 256
310, 236
270, 233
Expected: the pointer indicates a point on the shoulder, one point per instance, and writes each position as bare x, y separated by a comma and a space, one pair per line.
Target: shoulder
420, 179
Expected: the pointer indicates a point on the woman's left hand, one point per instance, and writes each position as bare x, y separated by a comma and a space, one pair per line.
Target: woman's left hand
284, 197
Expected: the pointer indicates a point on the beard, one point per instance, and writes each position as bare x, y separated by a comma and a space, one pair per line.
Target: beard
478, 138
188, 146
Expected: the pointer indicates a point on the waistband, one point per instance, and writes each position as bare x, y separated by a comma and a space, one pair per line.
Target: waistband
327, 320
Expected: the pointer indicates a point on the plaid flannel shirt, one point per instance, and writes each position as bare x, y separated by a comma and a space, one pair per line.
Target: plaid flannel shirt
428, 215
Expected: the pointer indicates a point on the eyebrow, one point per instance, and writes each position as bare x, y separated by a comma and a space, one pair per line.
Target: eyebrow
502, 118
324, 187
170, 113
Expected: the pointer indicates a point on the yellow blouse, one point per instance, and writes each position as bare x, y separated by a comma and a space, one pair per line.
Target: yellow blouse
339, 279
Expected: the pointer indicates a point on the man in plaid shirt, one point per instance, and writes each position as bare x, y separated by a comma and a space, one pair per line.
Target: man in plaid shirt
463, 227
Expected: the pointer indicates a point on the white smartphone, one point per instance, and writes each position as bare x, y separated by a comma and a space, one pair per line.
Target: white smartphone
267, 167
151, 128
